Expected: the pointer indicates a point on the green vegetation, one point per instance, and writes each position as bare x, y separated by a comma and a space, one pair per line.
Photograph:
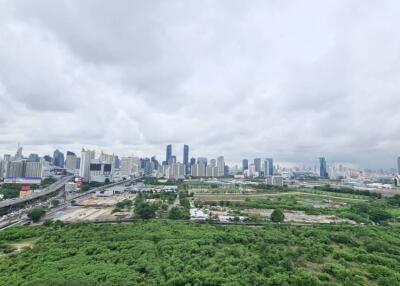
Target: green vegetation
36, 214
277, 216
176, 253
144, 210
123, 205
179, 213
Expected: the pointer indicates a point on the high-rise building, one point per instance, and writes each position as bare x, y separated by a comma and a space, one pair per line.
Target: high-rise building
268, 167
71, 161
323, 170
213, 163
176, 171
48, 158
86, 158
257, 164
221, 166
58, 159
168, 154
398, 165
33, 157
186, 158
33, 169
155, 163
245, 164
202, 160
129, 166
116, 162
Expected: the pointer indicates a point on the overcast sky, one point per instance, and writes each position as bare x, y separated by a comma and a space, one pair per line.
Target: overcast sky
292, 80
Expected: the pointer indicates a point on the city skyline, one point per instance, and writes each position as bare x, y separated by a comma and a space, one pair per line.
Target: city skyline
311, 82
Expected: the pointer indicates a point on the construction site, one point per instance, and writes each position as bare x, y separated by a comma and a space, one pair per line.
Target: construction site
94, 207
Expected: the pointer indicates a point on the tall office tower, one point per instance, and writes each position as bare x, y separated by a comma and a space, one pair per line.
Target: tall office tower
58, 159
268, 167
78, 163
155, 162
86, 158
257, 164
213, 163
116, 162
323, 171
33, 157
168, 154
18, 154
192, 161
245, 165
398, 165
71, 161
7, 157
221, 166
202, 160
148, 167
186, 158
172, 160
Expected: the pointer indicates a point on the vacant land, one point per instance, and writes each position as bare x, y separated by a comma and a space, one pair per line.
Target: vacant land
174, 253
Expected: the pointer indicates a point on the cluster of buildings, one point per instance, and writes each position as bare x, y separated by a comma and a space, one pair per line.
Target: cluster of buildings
18, 169
197, 168
259, 167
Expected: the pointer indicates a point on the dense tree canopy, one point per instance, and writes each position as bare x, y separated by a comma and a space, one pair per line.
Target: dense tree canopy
177, 253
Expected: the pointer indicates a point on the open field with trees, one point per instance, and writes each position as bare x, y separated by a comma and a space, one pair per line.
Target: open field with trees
176, 253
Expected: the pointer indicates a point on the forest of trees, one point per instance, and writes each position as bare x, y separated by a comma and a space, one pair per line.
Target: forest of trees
178, 253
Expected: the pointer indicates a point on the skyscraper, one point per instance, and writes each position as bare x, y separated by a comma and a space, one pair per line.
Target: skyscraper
221, 166
245, 164
71, 161
323, 173
268, 167
58, 159
257, 164
168, 154
186, 158
86, 158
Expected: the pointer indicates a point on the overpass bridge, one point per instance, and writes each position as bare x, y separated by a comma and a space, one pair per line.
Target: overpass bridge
9, 205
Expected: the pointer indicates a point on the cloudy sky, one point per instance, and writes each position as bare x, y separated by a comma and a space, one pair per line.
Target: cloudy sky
292, 80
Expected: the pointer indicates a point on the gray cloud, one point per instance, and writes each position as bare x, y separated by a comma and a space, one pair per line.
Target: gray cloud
288, 79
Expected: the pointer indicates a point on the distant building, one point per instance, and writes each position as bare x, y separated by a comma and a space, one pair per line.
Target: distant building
18, 154
71, 161
176, 171
221, 166
245, 164
116, 162
48, 158
33, 169
268, 167
86, 158
202, 160
323, 170
186, 158
100, 172
257, 164
7, 157
129, 166
33, 157
58, 159
213, 163
168, 154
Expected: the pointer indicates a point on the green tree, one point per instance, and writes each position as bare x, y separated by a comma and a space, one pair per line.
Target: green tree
277, 216
144, 210
179, 213
36, 214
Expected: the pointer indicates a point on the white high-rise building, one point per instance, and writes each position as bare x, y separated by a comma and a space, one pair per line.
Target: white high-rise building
213, 163
129, 166
86, 158
71, 161
176, 171
221, 166
33, 170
